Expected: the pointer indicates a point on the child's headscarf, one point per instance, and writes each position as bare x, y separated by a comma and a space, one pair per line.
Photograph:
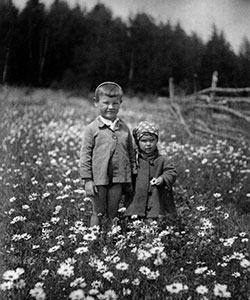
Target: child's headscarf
143, 128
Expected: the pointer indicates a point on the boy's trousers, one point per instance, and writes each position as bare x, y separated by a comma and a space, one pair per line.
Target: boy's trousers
106, 202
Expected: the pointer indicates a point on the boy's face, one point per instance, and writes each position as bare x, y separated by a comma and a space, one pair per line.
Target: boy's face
148, 143
108, 106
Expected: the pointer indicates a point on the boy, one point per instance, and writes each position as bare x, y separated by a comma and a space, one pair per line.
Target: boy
107, 158
153, 196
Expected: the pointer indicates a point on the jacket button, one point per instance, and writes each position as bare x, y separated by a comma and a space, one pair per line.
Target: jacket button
114, 137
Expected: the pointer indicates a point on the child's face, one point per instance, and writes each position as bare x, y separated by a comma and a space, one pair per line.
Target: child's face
148, 143
108, 106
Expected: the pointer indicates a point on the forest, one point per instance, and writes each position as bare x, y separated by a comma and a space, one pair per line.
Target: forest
76, 49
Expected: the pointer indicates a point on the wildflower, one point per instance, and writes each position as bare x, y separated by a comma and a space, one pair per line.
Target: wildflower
245, 263
25, 207
125, 280
153, 275
166, 232
18, 237
201, 289
44, 273
144, 270
136, 281
45, 195
96, 284
201, 233
122, 266
236, 274
108, 275
204, 161
65, 270
54, 249
126, 291
229, 242
93, 291
237, 255
220, 290
115, 230
81, 250
201, 208
207, 224
245, 240
134, 217
89, 237
143, 254
175, 288
217, 195
158, 261
101, 267
211, 272
38, 293
77, 295
54, 220
70, 261
109, 295
200, 270
89, 298
7, 285
78, 281
12, 275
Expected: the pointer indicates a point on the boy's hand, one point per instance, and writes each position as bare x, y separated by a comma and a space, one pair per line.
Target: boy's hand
157, 181
90, 188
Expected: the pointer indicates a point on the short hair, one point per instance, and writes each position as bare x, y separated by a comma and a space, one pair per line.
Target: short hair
108, 88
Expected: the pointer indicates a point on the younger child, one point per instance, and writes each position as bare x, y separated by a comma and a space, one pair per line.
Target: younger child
107, 157
153, 196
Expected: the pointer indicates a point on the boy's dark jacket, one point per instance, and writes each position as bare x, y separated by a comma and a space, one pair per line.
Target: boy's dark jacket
152, 201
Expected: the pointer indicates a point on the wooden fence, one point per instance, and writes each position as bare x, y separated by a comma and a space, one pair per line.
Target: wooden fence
227, 113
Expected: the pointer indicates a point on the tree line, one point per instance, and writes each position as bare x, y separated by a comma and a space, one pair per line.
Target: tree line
75, 48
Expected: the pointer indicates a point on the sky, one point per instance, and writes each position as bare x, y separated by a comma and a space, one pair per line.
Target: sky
231, 16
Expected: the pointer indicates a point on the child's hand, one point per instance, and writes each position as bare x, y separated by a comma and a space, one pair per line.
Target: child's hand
157, 181
90, 188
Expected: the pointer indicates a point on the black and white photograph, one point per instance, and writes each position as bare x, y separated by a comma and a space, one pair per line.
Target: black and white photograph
124, 149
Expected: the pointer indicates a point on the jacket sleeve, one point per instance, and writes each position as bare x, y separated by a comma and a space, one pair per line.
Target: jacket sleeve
86, 152
132, 153
169, 174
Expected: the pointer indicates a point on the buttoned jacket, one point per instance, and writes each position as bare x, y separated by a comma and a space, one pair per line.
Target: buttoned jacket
103, 147
153, 201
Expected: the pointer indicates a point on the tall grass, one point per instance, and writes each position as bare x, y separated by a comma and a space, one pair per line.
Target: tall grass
49, 252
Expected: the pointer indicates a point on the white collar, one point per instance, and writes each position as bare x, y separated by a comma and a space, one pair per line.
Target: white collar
109, 123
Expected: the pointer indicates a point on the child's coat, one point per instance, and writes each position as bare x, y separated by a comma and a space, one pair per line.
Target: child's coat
153, 201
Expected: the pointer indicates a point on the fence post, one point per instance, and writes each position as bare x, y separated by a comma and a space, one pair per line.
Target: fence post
171, 89
214, 85
195, 82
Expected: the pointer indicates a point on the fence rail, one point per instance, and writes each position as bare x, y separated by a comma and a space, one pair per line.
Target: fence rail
224, 90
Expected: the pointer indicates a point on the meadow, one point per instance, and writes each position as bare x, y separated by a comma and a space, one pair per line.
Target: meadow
49, 252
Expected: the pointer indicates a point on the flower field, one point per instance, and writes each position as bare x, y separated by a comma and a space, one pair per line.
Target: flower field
49, 252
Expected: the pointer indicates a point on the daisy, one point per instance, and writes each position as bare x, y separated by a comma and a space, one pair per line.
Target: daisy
77, 295
175, 288
65, 270
122, 266
220, 290
38, 293
144, 270
201, 289
245, 263
110, 295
